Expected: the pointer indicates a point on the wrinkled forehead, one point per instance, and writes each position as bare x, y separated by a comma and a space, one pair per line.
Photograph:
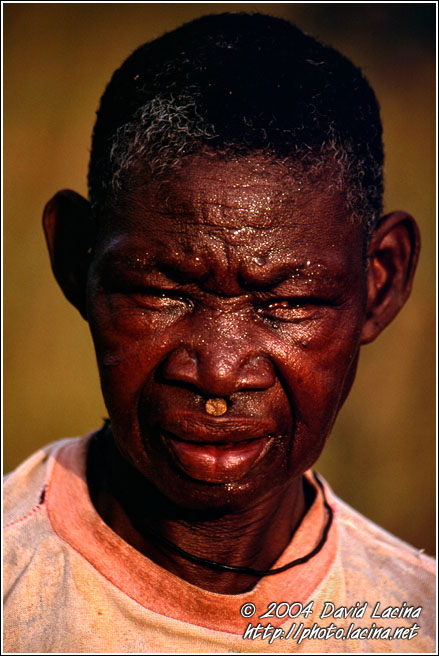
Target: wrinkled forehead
228, 216
235, 194
231, 194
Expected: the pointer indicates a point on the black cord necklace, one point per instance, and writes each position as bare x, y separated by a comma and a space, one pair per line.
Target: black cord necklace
198, 560
248, 570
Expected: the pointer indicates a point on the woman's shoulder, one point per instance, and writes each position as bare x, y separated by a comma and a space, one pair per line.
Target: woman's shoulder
24, 487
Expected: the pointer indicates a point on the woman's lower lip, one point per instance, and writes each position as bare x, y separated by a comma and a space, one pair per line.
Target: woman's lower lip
217, 463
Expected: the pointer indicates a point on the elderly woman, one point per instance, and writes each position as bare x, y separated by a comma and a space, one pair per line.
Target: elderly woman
231, 261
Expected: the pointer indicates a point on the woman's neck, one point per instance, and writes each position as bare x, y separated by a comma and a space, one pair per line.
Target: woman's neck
253, 537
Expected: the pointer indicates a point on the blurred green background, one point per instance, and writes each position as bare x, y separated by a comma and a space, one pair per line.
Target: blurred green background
57, 60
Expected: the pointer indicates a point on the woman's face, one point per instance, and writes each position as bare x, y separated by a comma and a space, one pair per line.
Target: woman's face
236, 280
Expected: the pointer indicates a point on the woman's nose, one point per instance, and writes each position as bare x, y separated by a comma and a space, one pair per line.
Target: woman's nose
220, 365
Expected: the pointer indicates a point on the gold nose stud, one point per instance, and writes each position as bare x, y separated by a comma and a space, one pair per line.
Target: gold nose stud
216, 407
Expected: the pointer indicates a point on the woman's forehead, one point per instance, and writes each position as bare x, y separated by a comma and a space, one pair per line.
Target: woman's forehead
248, 213
249, 192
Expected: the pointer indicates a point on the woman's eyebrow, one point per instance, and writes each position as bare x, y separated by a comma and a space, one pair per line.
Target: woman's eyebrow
167, 271
120, 260
283, 272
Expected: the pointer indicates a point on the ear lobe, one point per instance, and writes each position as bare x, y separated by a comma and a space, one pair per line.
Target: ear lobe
392, 258
70, 234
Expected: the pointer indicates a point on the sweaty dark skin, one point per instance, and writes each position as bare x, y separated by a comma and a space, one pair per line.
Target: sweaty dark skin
236, 280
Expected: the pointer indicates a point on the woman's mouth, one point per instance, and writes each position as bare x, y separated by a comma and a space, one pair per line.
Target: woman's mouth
217, 462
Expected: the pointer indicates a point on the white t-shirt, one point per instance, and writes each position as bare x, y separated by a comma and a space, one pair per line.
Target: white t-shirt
73, 585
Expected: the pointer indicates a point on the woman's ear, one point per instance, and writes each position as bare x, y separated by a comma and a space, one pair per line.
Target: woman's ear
70, 235
392, 258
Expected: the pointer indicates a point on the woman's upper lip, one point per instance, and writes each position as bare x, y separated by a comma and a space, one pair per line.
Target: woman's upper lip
193, 428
